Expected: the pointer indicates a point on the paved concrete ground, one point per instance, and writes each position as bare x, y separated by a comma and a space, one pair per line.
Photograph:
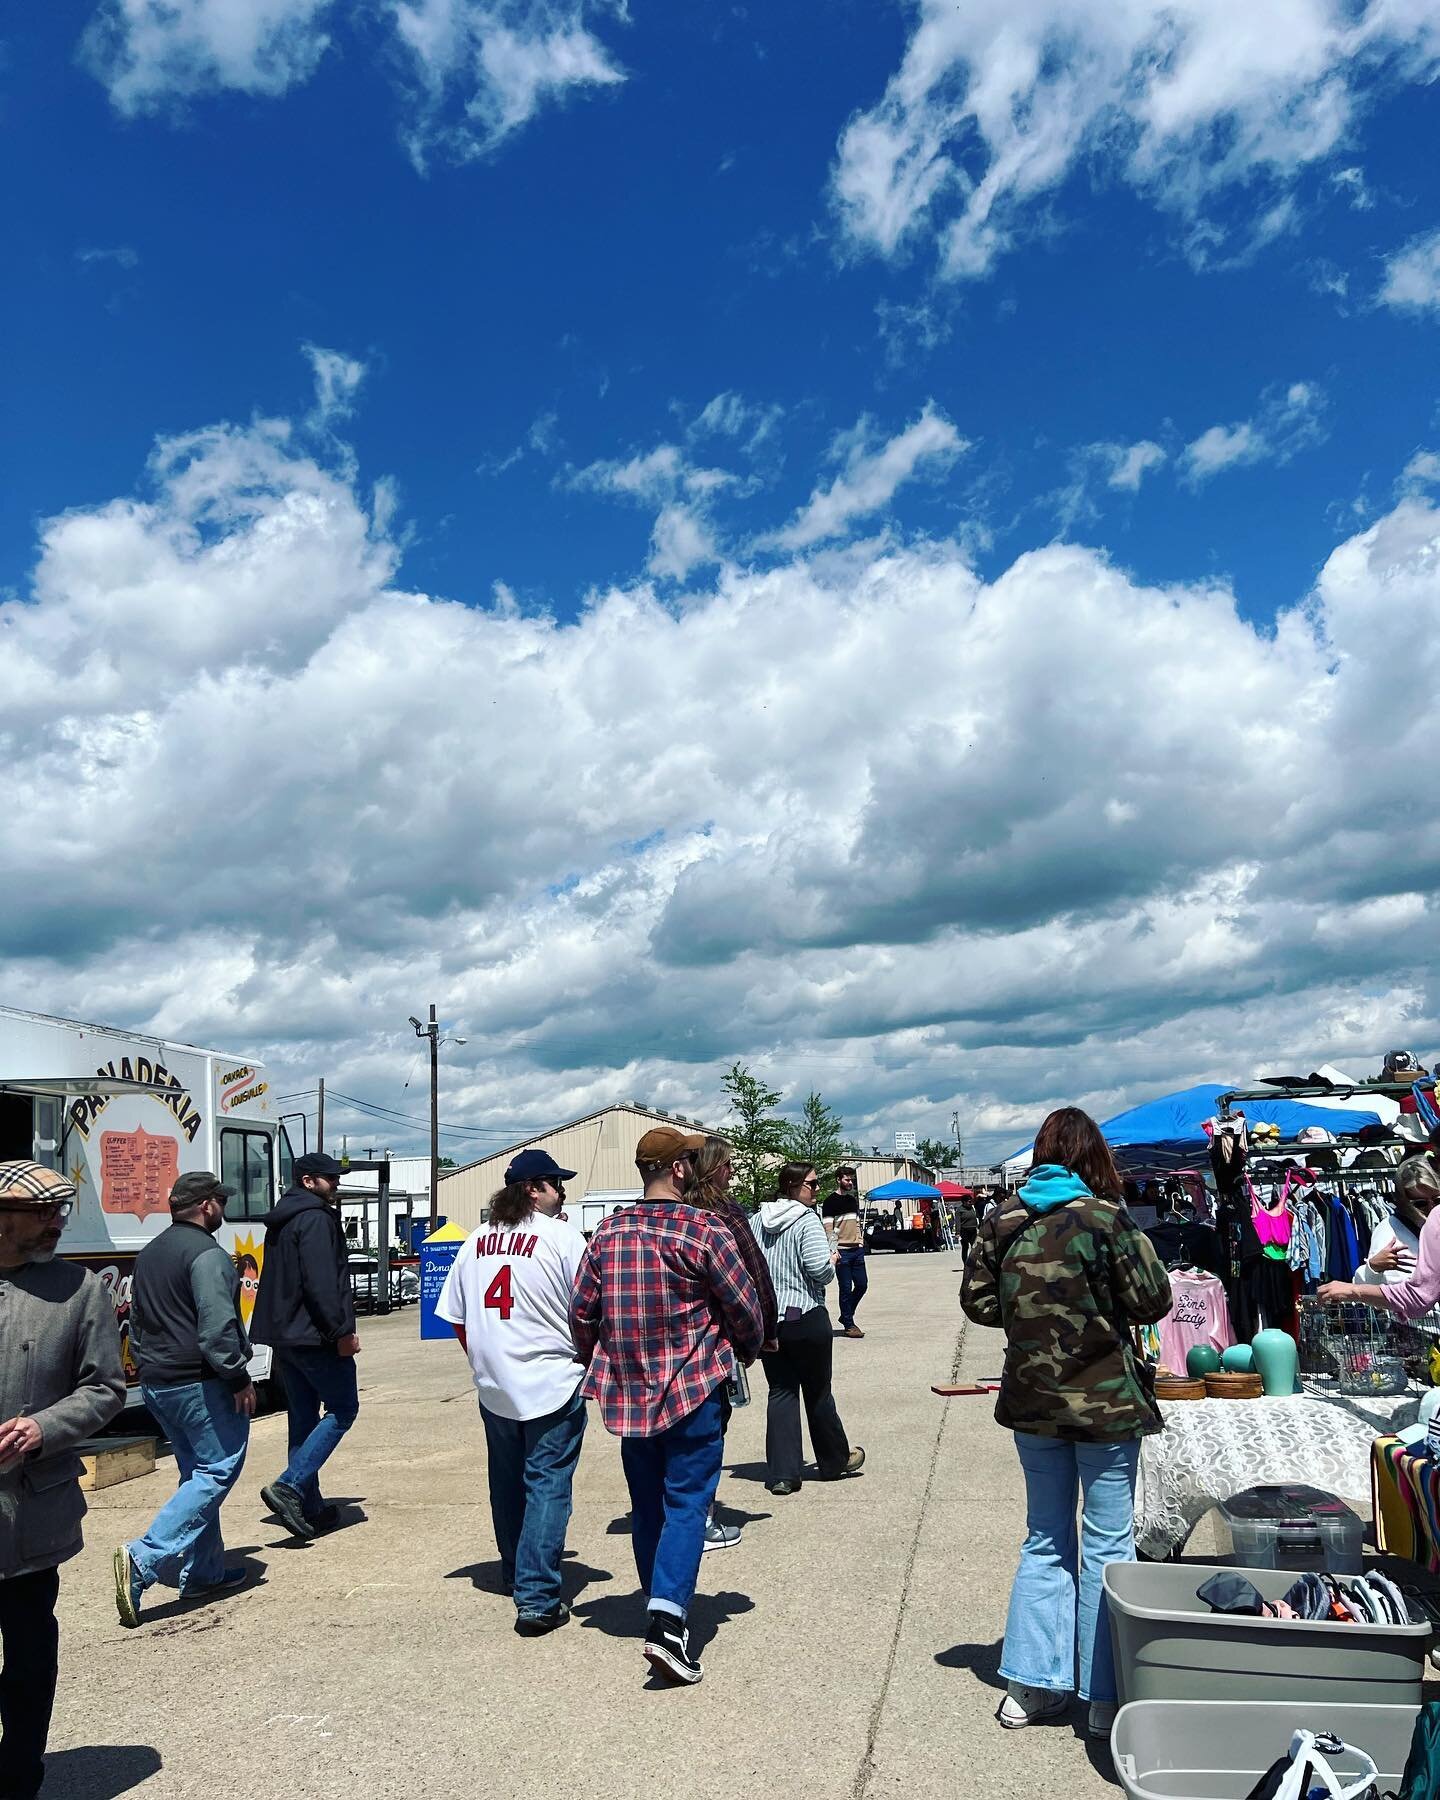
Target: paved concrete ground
850, 1643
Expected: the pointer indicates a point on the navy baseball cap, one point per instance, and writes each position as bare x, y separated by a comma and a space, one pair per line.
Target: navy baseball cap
316, 1162
536, 1165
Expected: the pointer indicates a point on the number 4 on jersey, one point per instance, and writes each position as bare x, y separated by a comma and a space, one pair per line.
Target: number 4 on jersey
498, 1294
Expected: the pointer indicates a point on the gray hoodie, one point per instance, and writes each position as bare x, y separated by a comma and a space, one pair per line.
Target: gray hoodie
797, 1254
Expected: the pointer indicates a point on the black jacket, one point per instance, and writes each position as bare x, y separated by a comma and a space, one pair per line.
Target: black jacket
185, 1311
304, 1299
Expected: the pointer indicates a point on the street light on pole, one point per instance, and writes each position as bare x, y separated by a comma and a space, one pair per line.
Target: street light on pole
432, 1031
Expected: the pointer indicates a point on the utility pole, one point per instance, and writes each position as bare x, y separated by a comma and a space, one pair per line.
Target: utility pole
432, 1031
434, 1035
959, 1146
320, 1121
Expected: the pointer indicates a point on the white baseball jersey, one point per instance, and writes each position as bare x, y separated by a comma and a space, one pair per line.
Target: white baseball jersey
510, 1288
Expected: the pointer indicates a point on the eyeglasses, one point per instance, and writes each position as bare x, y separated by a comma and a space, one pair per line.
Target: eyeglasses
813, 1182
46, 1209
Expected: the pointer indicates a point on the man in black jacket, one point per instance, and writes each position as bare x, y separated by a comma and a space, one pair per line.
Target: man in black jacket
192, 1351
305, 1312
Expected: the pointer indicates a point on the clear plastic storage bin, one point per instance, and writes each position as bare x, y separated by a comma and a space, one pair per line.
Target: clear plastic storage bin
1294, 1527
1218, 1750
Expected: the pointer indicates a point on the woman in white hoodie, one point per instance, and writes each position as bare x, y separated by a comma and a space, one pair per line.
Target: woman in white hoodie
801, 1265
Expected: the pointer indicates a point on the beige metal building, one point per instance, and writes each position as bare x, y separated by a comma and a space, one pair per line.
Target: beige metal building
600, 1148
875, 1171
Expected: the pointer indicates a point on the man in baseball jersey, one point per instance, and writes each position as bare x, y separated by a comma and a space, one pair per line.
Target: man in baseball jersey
508, 1298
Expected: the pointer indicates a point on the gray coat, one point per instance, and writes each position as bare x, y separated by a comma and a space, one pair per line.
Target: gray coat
60, 1365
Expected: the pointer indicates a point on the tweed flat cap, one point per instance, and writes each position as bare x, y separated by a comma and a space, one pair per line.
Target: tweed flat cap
32, 1184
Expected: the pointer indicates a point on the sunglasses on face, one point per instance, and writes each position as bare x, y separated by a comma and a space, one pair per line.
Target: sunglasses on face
813, 1182
50, 1209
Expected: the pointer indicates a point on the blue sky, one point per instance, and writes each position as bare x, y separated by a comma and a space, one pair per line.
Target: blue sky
651, 308
628, 256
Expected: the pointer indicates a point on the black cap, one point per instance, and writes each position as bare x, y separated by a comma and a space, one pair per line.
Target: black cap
537, 1165
198, 1185
316, 1162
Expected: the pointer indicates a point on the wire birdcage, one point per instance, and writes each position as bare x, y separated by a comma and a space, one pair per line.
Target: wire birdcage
1364, 1350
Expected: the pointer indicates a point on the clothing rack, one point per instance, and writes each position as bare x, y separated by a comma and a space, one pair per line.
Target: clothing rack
1322, 1177
1319, 1090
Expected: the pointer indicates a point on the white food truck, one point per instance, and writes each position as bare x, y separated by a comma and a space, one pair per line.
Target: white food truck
123, 1115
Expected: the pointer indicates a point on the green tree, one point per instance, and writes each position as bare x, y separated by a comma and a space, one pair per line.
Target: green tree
817, 1137
934, 1153
757, 1137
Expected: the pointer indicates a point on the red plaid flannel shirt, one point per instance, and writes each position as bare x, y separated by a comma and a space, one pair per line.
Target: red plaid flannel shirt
662, 1305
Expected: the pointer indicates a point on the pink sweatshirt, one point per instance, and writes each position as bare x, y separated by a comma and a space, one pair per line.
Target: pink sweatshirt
1419, 1291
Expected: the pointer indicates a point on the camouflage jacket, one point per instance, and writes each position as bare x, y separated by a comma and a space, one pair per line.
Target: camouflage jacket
1074, 1280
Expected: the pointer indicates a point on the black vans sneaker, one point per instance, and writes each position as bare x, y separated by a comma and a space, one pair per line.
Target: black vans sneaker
667, 1648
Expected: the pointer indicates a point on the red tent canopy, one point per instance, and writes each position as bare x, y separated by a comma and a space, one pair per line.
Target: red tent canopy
952, 1190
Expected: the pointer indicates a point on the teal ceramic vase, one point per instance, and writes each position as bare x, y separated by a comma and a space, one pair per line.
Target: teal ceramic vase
1200, 1361
1239, 1359
1277, 1359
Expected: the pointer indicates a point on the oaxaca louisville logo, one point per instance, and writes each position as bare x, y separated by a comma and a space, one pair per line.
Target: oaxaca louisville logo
85, 1110
239, 1086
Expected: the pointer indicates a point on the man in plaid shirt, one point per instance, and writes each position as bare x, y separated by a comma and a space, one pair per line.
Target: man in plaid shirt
662, 1308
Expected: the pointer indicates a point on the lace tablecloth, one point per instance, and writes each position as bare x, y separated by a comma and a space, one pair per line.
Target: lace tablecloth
1213, 1449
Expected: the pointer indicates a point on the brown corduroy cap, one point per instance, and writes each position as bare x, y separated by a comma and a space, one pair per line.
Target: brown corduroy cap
664, 1143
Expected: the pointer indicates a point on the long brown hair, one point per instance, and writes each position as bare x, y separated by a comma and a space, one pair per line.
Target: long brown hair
1072, 1139
708, 1190
790, 1176
514, 1203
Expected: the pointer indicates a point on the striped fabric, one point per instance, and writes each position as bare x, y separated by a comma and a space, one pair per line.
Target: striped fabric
798, 1259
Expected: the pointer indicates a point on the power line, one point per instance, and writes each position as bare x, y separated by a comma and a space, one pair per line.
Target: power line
389, 1113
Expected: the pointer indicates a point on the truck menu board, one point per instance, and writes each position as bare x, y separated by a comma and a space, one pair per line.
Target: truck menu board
137, 1171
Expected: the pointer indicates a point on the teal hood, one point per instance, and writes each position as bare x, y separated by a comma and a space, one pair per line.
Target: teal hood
1050, 1185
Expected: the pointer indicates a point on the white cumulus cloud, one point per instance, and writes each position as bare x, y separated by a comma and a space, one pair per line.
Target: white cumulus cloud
265, 795
1412, 275
1131, 463
995, 103
150, 53
683, 537
1287, 421
337, 382
475, 71
871, 474
484, 68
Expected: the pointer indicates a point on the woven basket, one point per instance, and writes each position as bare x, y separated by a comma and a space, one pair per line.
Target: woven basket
1178, 1387
1225, 1386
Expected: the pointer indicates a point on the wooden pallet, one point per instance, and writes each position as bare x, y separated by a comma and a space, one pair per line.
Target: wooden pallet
109, 1460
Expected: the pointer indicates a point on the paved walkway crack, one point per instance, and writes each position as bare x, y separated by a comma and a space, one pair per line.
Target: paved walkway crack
860, 1787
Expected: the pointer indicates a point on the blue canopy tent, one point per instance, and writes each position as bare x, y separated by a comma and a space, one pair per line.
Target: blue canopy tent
1168, 1133
904, 1190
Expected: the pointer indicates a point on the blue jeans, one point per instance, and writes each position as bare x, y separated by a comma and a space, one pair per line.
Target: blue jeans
183, 1547
531, 1467
853, 1283
314, 1378
672, 1479
1048, 1620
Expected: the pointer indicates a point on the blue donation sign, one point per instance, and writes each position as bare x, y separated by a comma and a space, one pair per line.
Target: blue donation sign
437, 1257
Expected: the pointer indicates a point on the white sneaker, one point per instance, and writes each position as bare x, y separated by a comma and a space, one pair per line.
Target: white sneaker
1102, 1717
1030, 1706
720, 1537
